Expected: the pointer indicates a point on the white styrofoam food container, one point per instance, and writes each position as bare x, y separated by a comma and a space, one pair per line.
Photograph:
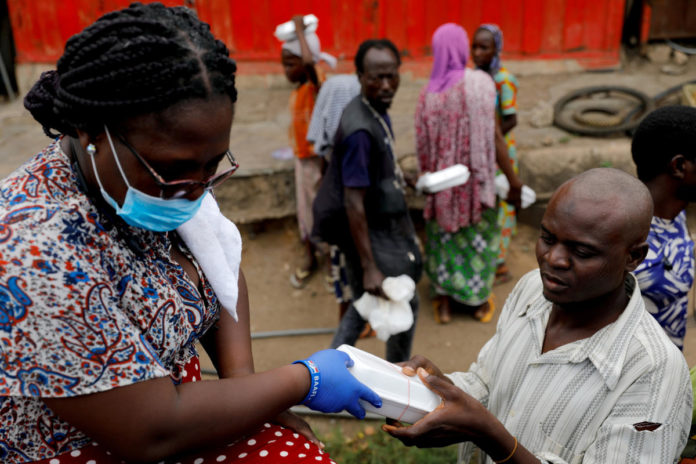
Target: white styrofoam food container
433, 182
404, 398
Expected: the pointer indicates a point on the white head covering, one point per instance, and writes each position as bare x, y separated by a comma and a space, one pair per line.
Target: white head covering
293, 46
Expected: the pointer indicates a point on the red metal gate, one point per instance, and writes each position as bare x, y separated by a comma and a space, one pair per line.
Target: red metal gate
589, 31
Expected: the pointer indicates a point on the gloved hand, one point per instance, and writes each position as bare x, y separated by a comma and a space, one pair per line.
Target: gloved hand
333, 388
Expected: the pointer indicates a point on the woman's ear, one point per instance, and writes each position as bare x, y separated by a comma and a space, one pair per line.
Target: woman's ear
86, 139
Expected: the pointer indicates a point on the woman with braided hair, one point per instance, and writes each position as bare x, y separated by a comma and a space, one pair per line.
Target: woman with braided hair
115, 260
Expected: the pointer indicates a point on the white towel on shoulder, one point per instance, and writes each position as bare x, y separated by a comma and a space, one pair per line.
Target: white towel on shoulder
216, 244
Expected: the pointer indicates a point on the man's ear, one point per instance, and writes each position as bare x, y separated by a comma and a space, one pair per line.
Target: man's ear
677, 166
636, 255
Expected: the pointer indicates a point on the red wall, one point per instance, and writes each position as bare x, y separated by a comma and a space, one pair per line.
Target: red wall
586, 30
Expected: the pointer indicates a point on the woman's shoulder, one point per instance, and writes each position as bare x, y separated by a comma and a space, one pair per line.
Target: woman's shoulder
478, 75
479, 80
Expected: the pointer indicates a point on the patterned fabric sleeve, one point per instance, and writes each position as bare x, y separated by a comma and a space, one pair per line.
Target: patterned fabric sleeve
667, 273
62, 333
506, 84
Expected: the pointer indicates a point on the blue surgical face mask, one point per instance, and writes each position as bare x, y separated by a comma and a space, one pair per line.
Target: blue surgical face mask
145, 211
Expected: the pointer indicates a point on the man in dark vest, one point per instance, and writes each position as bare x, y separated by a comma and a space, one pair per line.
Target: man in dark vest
380, 240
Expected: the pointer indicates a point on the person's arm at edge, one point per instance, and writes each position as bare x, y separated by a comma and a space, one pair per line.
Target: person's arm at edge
307, 58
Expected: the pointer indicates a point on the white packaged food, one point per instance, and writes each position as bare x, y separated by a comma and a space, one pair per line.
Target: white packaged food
433, 182
502, 186
286, 31
404, 398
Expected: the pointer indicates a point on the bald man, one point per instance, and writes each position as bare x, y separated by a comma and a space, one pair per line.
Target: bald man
577, 371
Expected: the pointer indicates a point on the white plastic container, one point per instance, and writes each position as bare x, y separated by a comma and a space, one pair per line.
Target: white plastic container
433, 182
286, 31
404, 398
502, 187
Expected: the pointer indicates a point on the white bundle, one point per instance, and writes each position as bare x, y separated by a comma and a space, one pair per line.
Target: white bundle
502, 187
389, 316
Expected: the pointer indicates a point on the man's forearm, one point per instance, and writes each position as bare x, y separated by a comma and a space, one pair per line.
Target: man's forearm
357, 222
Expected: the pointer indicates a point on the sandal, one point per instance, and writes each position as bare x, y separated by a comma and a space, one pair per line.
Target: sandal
300, 277
487, 315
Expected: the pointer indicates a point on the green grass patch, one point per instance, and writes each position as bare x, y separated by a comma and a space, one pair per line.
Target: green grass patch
373, 446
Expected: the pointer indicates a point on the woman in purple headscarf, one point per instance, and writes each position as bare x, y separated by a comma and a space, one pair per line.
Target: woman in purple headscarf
455, 124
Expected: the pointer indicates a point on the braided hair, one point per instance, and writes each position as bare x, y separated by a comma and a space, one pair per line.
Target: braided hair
138, 60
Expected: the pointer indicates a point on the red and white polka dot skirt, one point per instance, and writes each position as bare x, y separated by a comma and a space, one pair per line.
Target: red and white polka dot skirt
271, 444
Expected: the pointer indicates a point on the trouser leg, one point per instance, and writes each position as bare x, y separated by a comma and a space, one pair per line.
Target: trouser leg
399, 345
352, 323
349, 328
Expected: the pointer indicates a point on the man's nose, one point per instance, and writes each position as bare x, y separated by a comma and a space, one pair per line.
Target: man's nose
558, 256
385, 84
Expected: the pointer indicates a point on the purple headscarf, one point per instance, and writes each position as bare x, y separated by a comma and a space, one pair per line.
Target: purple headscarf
498, 40
451, 53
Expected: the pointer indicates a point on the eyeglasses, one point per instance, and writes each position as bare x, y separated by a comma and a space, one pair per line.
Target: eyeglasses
183, 187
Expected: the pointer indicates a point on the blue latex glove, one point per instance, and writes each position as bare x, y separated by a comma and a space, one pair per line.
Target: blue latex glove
333, 388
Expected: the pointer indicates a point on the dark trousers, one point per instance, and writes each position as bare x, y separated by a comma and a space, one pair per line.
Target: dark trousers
352, 324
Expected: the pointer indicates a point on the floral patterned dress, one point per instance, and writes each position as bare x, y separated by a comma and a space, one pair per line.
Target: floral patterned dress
457, 126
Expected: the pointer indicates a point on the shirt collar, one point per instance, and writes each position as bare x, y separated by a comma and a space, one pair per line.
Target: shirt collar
607, 348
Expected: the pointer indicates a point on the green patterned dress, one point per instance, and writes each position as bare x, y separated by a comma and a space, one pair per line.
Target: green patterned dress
462, 264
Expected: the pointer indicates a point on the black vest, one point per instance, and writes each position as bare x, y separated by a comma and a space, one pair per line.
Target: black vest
389, 224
